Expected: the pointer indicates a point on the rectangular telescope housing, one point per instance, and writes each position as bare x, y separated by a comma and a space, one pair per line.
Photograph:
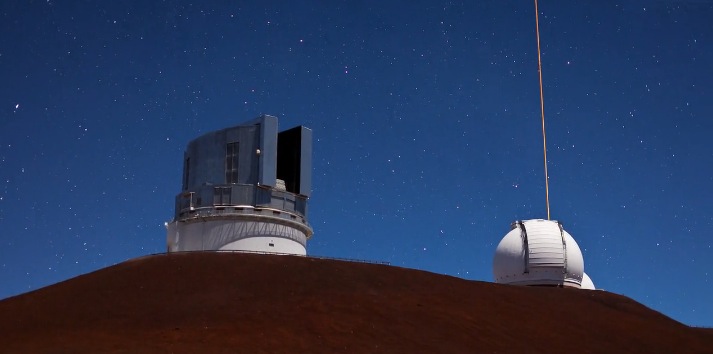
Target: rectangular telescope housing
245, 188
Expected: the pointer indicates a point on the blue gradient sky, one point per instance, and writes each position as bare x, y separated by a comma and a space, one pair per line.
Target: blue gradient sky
426, 124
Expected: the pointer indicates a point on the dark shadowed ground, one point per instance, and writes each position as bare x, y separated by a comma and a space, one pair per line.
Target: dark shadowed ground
246, 303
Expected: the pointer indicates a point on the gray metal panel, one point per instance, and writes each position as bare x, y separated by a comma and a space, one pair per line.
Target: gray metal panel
207, 155
249, 141
243, 195
278, 200
301, 206
263, 197
205, 197
186, 169
306, 162
289, 205
205, 184
268, 151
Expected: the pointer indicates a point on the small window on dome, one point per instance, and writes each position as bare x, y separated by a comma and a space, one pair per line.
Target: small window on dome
231, 163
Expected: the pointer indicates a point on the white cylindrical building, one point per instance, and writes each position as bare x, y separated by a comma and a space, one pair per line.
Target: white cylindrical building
538, 252
245, 188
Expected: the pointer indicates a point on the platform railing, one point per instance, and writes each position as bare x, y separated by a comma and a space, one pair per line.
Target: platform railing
354, 260
238, 195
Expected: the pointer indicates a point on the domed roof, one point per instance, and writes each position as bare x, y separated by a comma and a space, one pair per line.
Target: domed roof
538, 252
587, 282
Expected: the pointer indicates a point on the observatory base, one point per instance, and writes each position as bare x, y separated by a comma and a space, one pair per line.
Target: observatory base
541, 277
234, 235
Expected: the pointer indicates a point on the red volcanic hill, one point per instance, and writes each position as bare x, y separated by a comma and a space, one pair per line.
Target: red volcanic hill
248, 303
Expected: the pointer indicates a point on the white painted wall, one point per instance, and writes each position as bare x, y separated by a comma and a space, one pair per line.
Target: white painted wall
234, 234
263, 244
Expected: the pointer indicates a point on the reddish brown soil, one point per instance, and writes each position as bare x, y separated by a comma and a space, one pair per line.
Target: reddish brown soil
245, 303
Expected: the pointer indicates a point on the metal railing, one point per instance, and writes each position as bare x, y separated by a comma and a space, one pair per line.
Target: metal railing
221, 196
353, 260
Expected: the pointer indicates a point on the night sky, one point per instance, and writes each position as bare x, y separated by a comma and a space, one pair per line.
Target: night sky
426, 120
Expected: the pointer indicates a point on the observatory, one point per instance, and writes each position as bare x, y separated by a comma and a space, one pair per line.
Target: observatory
540, 252
245, 188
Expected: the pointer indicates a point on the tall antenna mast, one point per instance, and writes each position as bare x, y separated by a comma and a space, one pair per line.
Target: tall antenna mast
542, 109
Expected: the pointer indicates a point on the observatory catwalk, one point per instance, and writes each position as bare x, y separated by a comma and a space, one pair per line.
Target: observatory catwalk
245, 188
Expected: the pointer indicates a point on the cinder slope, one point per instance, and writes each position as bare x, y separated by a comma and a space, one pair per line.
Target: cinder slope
223, 302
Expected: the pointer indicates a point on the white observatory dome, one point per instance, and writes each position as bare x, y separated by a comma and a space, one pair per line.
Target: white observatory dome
587, 282
538, 252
